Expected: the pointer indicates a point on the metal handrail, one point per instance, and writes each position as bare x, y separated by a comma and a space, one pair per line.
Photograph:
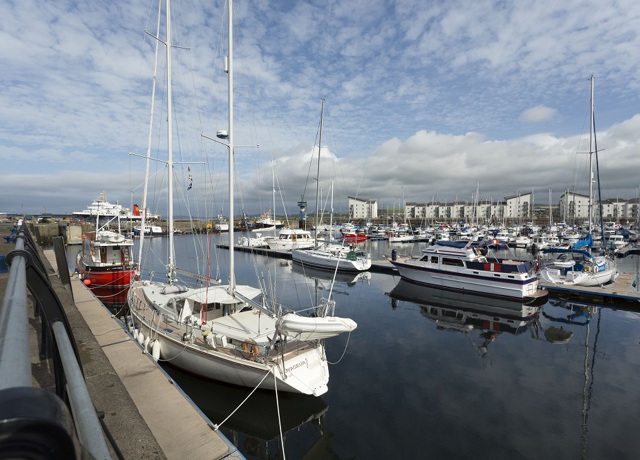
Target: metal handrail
32, 419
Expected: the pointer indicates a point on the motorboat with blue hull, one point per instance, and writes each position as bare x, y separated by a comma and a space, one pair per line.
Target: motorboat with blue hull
459, 266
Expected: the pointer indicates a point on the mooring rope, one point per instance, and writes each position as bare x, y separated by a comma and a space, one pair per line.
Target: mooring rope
275, 384
217, 426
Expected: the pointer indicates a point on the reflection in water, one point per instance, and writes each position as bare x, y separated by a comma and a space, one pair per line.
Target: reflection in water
254, 428
466, 312
341, 278
580, 314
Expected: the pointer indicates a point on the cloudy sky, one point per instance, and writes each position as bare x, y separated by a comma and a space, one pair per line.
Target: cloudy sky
424, 100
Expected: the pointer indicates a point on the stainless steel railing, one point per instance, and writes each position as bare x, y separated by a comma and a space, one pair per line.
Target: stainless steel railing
36, 421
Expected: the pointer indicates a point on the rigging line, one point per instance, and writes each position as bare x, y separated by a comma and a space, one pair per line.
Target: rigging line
217, 426
284, 207
275, 385
346, 345
304, 191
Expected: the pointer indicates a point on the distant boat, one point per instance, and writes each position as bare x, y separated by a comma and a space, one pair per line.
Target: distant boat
458, 266
221, 224
102, 208
149, 230
333, 256
105, 263
354, 237
257, 241
291, 238
576, 267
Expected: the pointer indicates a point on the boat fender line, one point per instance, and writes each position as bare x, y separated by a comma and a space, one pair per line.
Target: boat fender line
216, 426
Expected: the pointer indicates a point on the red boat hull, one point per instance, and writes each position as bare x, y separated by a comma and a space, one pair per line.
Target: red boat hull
354, 237
107, 278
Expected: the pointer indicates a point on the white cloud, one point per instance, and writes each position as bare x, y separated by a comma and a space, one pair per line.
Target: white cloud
538, 114
423, 100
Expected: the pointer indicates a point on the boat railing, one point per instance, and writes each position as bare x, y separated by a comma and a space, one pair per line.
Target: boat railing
34, 419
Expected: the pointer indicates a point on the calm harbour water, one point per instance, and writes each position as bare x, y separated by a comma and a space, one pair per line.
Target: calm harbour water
408, 385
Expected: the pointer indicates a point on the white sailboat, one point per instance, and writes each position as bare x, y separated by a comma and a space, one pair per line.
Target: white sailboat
232, 333
577, 266
327, 254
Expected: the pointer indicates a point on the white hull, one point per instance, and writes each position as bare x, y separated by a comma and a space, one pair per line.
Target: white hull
291, 239
242, 359
289, 246
464, 280
332, 259
253, 242
577, 278
459, 267
577, 268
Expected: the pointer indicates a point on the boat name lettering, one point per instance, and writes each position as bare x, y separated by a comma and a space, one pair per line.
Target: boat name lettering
295, 366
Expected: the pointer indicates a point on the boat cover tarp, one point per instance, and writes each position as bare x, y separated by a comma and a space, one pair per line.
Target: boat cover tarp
585, 242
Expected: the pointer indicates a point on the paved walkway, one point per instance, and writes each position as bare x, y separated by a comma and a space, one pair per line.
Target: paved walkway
148, 416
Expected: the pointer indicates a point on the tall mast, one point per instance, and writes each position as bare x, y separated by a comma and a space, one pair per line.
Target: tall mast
318, 175
591, 140
169, 46
595, 151
273, 194
143, 220
232, 275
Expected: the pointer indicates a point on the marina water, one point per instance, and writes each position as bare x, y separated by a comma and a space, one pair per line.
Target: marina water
407, 385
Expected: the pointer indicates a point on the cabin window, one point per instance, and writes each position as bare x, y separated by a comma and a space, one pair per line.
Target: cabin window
425, 259
434, 259
453, 262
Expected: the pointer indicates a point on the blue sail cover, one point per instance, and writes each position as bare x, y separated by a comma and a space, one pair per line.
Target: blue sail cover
585, 242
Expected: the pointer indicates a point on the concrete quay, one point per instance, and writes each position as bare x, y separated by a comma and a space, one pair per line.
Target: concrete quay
147, 415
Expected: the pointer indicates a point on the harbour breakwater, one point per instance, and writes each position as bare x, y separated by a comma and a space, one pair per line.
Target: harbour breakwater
71, 232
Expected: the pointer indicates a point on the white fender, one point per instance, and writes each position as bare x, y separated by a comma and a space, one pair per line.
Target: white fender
155, 350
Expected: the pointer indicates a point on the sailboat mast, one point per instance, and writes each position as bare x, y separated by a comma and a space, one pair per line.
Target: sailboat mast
143, 220
232, 276
591, 139
595, 150
273, 194
169, 46
318, 175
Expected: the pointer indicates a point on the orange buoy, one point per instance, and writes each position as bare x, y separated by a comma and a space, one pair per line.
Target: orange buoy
87, 282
